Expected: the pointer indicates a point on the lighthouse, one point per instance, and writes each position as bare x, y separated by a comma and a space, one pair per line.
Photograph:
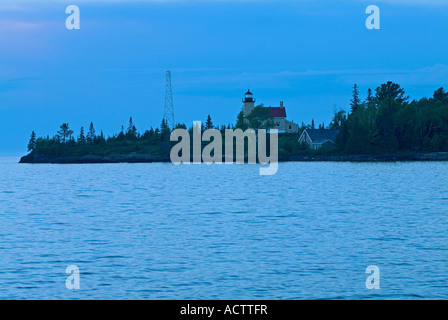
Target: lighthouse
248, 103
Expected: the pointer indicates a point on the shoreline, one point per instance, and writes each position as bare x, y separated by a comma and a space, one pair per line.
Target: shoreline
146, 158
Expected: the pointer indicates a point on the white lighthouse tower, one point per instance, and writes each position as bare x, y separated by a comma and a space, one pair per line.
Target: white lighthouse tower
248, 103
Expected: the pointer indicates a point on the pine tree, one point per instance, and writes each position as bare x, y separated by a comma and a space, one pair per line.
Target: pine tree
355, 99
312, 124
181, 126
32, 142
151, 132
440, 95
131, 133
82, 137
391, 91
65, 132
369, 95
339, 118
241, 121
91, 135
102, 138
164, 129
209, 123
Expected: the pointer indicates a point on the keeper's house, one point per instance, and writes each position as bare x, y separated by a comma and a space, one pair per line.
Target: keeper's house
278, 114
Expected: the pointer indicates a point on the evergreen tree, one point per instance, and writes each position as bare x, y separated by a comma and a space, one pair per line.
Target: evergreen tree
369, 96
357, 141
32, 142
355, 99
240, 122
121, 135
338, 118
82, 137
209, 123
164, 129
131, 133
391, 91
91, 134
222, 129
181, 126
312, 124
260, 118
64, 132
441, 95
102, 138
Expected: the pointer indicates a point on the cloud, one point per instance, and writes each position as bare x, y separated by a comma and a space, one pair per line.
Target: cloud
438, 71
12, 25
219, 79
435, 76
432, 76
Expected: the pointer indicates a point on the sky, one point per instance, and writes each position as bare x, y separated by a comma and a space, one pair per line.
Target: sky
307, 53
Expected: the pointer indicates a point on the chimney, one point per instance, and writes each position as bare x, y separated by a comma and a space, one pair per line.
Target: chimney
281, 104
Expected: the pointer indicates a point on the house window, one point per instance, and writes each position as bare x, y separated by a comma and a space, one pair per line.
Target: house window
289, 127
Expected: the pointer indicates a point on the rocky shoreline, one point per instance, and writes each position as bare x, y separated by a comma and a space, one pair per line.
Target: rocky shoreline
146, 158
114, 158
436, 156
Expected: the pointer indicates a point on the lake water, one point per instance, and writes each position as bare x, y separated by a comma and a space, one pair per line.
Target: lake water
159, 231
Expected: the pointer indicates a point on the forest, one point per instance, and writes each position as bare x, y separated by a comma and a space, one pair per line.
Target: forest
387, 122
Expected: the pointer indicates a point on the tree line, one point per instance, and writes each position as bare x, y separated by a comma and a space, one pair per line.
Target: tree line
64, 142
384, 122
387, 122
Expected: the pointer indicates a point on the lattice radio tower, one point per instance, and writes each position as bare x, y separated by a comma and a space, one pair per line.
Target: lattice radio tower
169, 106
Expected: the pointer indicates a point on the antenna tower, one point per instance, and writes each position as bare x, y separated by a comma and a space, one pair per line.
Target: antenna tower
169, 106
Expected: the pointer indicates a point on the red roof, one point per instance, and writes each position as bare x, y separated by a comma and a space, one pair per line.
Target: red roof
278, 112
